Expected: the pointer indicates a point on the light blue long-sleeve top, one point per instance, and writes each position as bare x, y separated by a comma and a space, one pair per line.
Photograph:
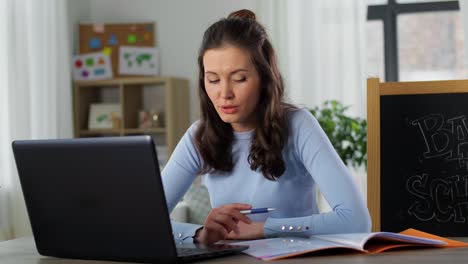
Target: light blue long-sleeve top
310, 160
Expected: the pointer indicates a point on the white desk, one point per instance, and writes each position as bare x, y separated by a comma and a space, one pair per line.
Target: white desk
23, 251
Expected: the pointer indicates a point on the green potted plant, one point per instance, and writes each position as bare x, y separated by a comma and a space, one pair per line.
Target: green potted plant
348, 135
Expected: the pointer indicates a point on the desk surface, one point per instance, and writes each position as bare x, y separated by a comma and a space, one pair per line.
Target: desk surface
23, 251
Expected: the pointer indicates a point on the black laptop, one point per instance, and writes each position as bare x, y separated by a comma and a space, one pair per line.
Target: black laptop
101, 198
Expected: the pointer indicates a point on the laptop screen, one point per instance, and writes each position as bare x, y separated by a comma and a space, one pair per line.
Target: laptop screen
96, 198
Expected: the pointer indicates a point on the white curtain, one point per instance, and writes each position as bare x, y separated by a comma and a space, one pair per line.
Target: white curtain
35, 92
321, 48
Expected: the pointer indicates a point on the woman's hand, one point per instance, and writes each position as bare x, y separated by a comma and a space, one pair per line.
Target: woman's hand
221, 221
253, 230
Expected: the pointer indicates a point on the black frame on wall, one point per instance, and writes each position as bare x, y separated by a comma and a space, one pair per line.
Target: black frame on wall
388, 14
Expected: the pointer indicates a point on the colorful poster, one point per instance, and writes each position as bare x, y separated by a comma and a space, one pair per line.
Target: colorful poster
92, 66
138, 60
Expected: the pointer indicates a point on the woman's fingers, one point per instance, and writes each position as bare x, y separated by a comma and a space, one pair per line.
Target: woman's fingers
241, 217
222, 220
215, 232
234, 211
229, 218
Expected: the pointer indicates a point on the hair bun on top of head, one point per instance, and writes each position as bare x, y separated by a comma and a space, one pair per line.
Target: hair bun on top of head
243, 13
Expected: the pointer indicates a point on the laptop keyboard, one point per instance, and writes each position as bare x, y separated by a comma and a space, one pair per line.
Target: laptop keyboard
181, 252
195, 253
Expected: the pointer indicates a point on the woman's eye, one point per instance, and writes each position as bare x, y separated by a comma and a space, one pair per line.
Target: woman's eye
240, 79
213, 81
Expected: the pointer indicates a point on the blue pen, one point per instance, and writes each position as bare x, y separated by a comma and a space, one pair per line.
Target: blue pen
257, 211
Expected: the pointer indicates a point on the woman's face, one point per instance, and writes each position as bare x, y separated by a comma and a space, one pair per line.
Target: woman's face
233, 85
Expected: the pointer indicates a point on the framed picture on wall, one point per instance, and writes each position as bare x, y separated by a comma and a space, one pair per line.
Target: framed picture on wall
138, 61
104, 116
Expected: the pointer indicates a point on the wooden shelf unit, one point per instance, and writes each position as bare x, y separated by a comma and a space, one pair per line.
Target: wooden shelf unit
129, 93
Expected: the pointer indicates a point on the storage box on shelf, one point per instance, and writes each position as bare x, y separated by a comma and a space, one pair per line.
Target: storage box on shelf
167, 95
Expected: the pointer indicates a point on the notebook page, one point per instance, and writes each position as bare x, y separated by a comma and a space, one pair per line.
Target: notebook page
273, 248
359, 240
354, 240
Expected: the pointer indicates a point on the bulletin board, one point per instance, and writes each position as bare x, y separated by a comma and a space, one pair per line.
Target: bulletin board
108, 38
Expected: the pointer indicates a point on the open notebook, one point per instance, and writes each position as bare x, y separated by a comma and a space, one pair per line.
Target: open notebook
370, 243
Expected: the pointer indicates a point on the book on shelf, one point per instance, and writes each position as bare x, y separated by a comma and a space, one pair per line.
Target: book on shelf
369, 243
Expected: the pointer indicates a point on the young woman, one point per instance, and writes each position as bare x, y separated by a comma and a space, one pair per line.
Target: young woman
253, 150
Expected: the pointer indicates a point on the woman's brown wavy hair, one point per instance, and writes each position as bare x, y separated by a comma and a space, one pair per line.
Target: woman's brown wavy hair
214, 137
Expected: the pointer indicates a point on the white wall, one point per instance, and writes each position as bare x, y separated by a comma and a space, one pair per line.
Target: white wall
179, 28
77, 11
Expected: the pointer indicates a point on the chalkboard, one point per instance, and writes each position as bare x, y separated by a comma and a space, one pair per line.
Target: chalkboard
420, 138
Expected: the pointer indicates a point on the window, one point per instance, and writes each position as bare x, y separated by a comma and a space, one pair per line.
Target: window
422, 40
375, 48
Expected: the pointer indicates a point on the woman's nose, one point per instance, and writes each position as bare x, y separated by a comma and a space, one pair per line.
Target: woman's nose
226, 91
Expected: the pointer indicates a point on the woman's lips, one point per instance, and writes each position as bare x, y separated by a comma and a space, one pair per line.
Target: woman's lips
229, 109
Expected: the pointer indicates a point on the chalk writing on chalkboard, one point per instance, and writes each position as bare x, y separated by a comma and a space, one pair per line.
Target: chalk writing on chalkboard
443, 196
